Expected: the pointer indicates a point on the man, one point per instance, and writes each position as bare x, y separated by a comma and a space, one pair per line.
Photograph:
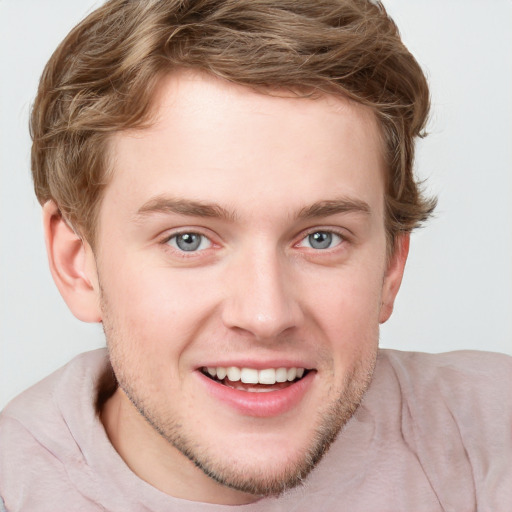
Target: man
228, 188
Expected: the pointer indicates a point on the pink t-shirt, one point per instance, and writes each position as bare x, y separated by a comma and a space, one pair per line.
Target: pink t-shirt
434, 433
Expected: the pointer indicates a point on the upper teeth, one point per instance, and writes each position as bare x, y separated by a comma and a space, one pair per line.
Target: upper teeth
253, 376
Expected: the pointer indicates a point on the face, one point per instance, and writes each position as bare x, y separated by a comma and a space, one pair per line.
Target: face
241, 262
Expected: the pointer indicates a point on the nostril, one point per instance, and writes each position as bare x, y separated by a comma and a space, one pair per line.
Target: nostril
262, 304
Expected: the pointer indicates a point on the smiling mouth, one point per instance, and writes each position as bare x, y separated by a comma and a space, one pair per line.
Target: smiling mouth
253, 380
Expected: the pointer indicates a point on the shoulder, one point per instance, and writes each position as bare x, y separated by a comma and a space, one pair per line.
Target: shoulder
463, 359
456, 412
53, 403
481, 381
40, 435
46, 399
465, 366
471, 388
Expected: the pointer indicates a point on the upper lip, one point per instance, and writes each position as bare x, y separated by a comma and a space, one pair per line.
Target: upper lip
257, 365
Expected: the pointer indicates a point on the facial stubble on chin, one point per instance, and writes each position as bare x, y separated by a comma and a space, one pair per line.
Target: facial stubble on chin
330, 421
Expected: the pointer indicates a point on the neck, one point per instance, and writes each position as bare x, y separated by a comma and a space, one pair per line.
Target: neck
153, 459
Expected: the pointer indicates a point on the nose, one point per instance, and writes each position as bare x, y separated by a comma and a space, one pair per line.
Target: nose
261, 297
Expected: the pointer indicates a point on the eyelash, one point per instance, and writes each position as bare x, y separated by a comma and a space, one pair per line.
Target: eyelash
342, 236
184, 253
303, 237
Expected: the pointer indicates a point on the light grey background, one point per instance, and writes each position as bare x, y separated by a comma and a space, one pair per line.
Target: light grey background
457, 292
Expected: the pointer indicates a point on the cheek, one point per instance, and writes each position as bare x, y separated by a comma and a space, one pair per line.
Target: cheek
347, 314
144, 323
155, 306
350, 295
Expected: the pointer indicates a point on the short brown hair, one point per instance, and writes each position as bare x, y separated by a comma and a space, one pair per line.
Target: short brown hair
102, 77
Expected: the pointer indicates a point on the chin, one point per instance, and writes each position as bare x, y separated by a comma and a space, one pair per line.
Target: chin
269, 463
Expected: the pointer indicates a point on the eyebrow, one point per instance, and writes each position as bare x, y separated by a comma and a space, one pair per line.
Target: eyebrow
184, 207
193, 208
333, 207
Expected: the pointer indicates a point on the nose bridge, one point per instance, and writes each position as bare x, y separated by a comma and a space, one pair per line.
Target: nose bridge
261, 299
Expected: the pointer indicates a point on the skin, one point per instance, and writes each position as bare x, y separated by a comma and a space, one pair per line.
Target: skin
256, 290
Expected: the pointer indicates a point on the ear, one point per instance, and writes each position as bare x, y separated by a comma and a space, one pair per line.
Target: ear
72, 265
393, 277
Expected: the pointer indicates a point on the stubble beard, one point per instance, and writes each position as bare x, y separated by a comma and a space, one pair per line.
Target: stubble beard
264, 484
259, 482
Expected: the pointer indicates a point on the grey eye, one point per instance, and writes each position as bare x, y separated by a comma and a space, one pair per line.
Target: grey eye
321, 240
189, 242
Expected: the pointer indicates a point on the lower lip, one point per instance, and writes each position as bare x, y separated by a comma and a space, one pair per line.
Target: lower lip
264, 404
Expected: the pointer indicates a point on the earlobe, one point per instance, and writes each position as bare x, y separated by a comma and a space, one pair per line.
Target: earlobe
393, 277
72, 266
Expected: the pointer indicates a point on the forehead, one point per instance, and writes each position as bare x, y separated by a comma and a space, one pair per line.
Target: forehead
216, 141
